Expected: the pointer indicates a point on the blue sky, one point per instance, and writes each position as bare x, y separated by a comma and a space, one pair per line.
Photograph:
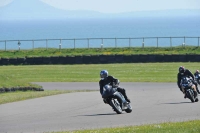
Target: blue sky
118, 6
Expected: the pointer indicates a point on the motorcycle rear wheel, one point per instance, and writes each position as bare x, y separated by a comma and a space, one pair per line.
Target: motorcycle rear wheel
129, 109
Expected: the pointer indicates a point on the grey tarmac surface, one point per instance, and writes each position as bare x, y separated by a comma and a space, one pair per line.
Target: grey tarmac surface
152, 103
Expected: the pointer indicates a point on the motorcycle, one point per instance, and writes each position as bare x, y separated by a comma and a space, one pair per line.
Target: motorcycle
115, 99
189, 88
197, 78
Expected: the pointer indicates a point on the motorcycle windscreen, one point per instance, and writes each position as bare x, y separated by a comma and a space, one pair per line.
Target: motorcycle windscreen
197, 76
108, 91
186, 82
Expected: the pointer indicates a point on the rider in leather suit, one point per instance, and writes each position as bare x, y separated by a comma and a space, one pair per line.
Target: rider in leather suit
108, 79
185, 72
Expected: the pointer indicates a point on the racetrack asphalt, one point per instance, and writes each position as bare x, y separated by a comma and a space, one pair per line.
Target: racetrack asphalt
152, 103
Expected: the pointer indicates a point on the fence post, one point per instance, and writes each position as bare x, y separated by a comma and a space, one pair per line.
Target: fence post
5, 45
198, 41
184, 41
60, 44
143, 43
19, 45
101, 43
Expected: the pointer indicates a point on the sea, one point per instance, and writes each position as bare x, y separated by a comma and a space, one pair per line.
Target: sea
100, 33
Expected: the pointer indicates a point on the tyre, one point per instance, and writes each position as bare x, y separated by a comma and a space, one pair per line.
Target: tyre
198, 81
116, 106
190, 96
129, 109
196, 100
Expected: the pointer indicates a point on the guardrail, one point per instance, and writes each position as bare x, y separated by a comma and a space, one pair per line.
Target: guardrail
99, 43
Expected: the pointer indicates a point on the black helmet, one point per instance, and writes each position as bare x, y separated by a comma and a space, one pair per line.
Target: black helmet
181, 70
103, 74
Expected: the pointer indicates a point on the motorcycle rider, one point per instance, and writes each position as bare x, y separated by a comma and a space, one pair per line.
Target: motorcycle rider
185, 72
108, 79
196, 73
196, 76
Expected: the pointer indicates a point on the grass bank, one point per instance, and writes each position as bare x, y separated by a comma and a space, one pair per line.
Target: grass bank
126, 72
41, 52
20, 96
176, 127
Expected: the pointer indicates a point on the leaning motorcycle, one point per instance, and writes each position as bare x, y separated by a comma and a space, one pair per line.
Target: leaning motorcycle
189, 88
197, 78
115, 99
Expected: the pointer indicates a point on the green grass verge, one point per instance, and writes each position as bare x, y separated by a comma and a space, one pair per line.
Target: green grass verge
41, 52
19, 95
175, 127
125, 72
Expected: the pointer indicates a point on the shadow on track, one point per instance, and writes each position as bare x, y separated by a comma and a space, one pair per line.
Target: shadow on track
177, 103
100, 114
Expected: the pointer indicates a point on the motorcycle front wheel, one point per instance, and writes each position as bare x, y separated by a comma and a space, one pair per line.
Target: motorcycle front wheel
190, 96
116, 106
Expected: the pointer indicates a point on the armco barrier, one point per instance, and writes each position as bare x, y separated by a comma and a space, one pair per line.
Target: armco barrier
70, 60
103, 59
78, 60
119, 58
99, 59
54, 60
46, 60
87, 59
20, 60
95, 59
127, 58
110, 59
135, 58
13, 61
28, 61
5, 61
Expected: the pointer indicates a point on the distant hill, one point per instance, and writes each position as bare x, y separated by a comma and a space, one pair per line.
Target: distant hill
36, 9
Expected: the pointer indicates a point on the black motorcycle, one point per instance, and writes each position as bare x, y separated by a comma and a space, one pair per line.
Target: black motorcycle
197, 78
115, 99
189, 88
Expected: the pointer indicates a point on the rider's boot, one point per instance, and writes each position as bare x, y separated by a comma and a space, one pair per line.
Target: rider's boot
127, 99
197, 88
123, 91
196, 100
196, 96
125, 96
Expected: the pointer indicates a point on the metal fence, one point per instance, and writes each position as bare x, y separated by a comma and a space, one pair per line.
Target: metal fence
99, 43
